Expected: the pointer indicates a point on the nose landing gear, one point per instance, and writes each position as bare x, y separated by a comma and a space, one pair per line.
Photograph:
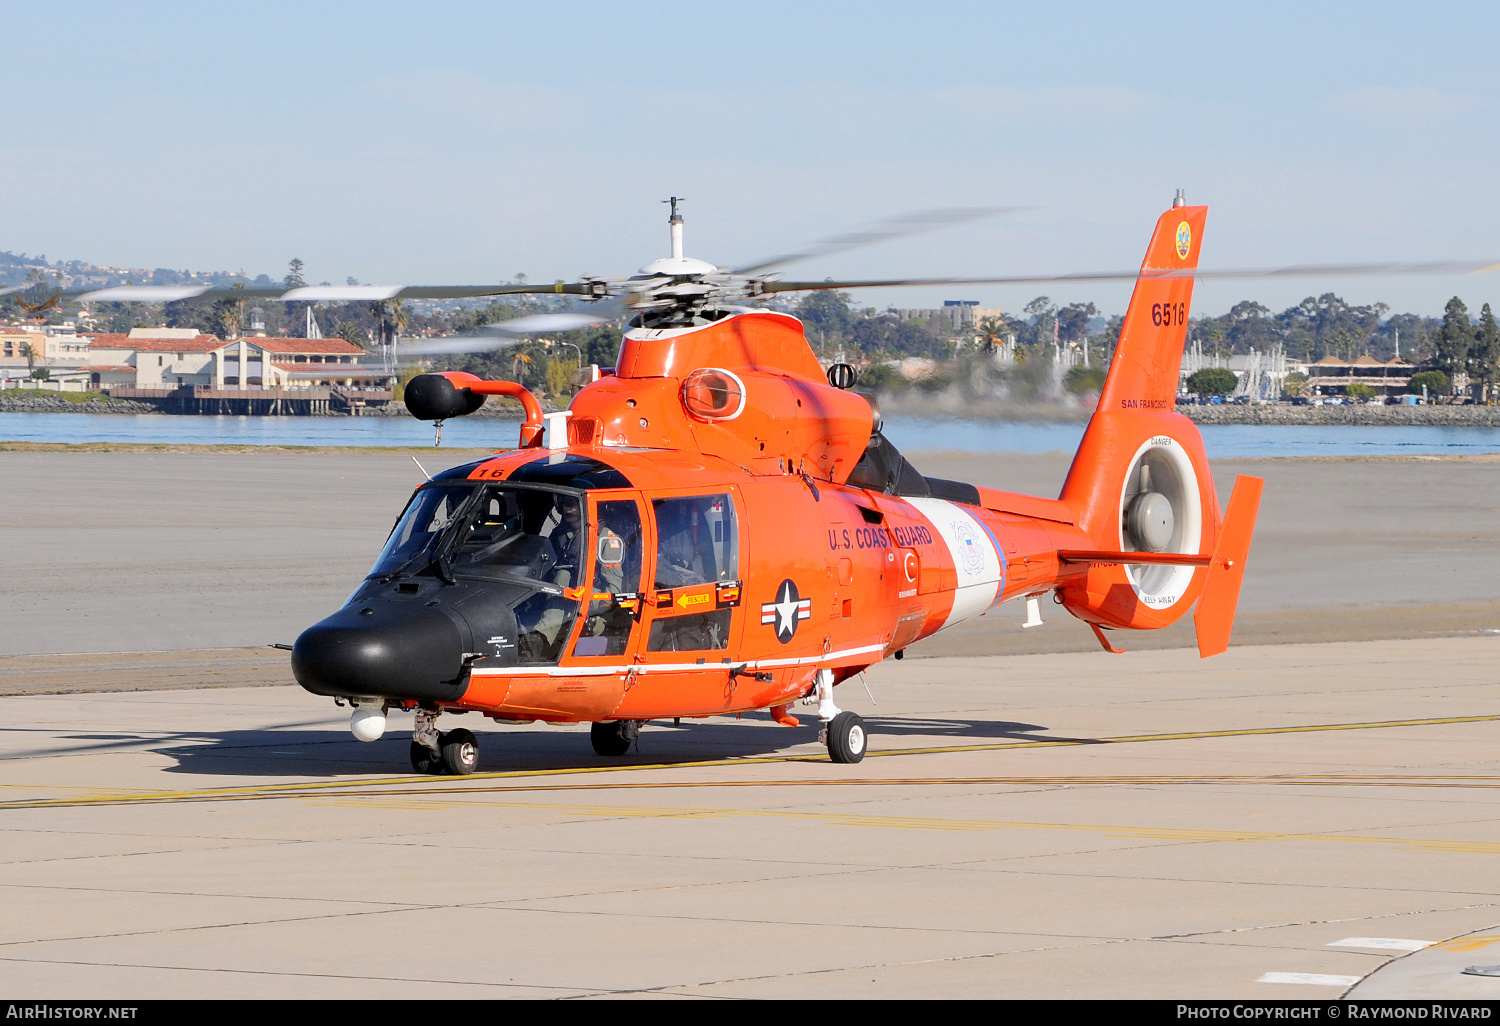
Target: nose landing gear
455, 753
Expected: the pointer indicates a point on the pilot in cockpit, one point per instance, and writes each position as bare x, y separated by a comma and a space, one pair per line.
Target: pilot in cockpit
567, 541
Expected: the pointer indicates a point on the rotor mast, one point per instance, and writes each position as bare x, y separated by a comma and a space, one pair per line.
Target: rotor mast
674, 224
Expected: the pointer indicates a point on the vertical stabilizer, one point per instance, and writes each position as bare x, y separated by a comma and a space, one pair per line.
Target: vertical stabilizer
1140, 480
1143, 375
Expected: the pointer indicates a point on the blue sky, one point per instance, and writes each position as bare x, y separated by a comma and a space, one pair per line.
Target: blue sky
450, 142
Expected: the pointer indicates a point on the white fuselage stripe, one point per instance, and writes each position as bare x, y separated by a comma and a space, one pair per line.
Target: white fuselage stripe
642, 668
981, 574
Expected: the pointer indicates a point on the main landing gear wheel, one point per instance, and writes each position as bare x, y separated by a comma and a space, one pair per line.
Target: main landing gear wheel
846, 738
460, 752
615, 737
457, 754
424, 759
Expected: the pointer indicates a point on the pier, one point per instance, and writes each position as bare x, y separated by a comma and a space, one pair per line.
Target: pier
271, 402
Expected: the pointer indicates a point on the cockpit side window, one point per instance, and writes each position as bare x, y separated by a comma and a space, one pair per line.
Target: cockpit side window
617, 573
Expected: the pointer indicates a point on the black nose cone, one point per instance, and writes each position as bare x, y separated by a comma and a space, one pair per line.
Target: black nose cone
382, 649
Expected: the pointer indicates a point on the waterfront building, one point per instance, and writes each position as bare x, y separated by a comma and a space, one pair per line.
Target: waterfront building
1332, 376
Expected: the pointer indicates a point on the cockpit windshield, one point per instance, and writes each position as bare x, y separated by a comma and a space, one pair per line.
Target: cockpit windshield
428, 516
521, 532
497, 531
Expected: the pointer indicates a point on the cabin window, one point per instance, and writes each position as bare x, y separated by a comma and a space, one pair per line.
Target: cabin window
696, 541
697, 544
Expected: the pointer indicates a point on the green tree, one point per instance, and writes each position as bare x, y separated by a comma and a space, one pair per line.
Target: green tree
1081, 379
1454, 340
1295, 383
352, 333
1485, 354
294, 279
1436, 381
1073, 321
226, 316
559, 375
827, 315
1359, 392
1212, 381
881, 378
1043, 313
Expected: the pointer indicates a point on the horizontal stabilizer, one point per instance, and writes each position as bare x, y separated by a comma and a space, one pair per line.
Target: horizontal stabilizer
1134, 558
1214, 617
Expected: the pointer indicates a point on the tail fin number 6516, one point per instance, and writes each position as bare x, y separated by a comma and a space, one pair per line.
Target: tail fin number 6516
1164, 315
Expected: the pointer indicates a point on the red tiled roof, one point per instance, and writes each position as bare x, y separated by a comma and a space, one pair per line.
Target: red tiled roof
333, 369
321, 346
104, 367
198, 344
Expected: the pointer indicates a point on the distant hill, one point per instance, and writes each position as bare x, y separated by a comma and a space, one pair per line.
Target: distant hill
15, 266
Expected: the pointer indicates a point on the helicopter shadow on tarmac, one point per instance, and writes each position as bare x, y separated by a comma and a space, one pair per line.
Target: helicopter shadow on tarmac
299, 751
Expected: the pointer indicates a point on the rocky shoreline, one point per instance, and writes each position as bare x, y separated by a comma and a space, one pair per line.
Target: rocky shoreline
18, 401
1359, 416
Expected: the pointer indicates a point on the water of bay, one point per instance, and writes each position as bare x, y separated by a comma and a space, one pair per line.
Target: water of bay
909, 434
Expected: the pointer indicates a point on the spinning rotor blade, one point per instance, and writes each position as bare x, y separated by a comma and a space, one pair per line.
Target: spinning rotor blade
502, 334
315, 293
537, 323
456, 344
891, 228
352, 371
1438, 267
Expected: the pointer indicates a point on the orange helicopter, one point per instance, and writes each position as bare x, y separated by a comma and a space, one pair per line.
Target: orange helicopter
716, 525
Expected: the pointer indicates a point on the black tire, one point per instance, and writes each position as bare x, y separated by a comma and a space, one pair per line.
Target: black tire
424, 759
847, 738
611, 738
460, 750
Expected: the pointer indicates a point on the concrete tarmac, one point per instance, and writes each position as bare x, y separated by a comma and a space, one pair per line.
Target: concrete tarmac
1036, 819
1279, 822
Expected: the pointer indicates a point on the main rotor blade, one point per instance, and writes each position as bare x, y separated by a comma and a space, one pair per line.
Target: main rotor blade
891, 228
1439, 267
315, 293
330, 370
537, 323
457, 344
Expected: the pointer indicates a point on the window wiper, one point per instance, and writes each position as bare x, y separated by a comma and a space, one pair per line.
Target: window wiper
530, 582
443, 568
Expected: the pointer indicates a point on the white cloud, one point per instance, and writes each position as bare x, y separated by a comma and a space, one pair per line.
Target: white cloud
1406, 104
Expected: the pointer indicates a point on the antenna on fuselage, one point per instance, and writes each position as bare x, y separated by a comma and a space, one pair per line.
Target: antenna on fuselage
674, 224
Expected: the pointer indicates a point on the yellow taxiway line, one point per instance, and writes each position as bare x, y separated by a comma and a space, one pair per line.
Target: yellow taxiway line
411, 784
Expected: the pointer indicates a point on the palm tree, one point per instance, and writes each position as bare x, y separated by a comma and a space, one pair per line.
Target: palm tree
992, 333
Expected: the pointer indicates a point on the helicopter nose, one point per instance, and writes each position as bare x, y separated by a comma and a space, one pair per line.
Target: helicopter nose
384, 650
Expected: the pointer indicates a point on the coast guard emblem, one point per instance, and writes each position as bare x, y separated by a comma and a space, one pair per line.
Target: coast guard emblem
1184, 240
